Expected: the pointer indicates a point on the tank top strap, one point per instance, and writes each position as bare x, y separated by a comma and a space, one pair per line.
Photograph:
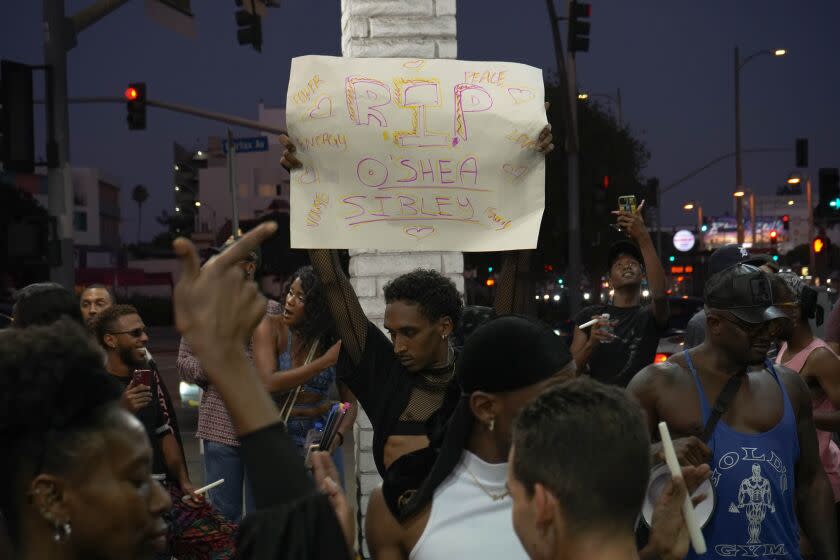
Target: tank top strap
704, 403
788, 415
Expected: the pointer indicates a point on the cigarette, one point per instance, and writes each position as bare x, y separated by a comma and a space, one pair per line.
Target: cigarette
589, 323
202, 490
697, 540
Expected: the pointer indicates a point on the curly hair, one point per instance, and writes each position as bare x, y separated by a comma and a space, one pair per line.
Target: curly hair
56, 402
317, 322
104, 322
436, 294
45, 303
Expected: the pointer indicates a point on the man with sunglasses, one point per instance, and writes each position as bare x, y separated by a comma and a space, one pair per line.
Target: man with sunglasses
763, 450
196, 529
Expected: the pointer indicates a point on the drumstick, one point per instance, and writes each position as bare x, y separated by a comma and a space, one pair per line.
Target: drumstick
697, 540
202, 490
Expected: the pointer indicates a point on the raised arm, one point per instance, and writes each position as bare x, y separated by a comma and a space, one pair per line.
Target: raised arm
513, 292
349, 318
634, 225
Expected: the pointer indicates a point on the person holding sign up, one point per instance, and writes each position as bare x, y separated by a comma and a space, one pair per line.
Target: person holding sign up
403, 382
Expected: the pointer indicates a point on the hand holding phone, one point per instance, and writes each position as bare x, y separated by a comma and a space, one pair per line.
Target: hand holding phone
142, 377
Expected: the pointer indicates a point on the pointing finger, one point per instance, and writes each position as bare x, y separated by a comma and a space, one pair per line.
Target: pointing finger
186, 253
288, 144
245, 245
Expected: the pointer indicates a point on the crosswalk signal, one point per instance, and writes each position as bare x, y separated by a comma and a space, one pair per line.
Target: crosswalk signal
579, 14
819, 245
250, 25
135, 97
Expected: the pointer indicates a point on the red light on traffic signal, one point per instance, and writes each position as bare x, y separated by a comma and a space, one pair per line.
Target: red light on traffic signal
490, 282
774, 234
785, 218
131, 94
605, 182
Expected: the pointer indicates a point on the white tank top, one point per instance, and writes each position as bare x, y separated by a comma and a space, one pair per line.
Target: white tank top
465, 522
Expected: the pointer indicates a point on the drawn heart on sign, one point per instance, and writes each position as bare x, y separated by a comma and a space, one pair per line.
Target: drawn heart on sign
515, 171
520, 95
419, 232
414, 64
308, 176
322, 109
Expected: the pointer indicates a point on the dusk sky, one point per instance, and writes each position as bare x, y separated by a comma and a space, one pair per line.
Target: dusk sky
672, 60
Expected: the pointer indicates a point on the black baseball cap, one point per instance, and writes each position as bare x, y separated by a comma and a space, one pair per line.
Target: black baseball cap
730, 255
624, 248
744, 291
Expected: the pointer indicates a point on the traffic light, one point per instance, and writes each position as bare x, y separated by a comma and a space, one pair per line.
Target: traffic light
652, 193
786, 222
829, 185
579, 13
135, 97
250, 25
819, 244
774, 237
801, 152
17, 133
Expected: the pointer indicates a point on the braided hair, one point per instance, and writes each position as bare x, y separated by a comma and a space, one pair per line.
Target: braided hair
56, 402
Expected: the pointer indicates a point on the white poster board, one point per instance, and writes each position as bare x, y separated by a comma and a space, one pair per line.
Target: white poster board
415, 154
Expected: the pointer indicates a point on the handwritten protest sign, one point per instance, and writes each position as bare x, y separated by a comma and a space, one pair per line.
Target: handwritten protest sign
415, 154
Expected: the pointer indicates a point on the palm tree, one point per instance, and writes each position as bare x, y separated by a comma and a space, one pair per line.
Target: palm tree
139, 194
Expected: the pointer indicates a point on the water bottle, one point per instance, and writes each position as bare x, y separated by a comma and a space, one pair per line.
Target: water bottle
605, 327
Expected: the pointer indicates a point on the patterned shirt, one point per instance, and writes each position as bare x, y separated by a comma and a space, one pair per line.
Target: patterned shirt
214, 422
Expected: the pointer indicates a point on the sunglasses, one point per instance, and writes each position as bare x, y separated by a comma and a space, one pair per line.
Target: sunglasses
136, 333
774, 327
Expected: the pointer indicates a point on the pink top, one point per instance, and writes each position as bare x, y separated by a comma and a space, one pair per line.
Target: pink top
829, 452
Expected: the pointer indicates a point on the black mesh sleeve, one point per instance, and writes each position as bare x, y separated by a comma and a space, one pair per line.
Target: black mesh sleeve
514, 293
350, 321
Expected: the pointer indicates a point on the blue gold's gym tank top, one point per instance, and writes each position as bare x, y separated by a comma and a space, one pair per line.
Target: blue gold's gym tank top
753, 477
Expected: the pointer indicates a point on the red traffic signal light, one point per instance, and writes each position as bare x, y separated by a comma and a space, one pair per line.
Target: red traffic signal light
819, 245
774, 234
135, 96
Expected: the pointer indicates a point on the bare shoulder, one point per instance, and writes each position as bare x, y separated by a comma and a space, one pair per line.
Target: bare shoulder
794, 384
387, 537
656, 378
384, 533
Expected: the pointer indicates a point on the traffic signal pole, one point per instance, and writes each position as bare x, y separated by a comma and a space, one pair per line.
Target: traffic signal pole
59, 37
812, 258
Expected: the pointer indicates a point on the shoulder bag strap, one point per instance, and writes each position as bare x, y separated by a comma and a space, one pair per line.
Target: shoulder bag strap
291, 400
722, 403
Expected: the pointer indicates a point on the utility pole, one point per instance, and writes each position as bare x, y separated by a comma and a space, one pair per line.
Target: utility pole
739, 178
568, 102
60, 37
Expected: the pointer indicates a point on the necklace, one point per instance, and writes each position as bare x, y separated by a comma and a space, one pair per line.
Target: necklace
494, 497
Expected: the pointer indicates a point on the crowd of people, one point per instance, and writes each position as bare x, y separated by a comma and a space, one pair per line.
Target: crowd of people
493, 438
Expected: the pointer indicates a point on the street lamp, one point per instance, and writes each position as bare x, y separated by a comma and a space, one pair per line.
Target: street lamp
739, 178
583, 96
689, 206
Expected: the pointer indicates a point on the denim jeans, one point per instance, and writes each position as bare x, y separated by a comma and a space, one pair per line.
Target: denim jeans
225, 461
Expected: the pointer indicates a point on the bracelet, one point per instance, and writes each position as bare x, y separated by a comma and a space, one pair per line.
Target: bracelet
341, 438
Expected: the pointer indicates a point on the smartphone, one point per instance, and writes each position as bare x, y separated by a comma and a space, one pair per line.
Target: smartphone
143, 377
627, 203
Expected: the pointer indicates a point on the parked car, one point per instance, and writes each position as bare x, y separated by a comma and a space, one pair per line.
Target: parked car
672, 340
